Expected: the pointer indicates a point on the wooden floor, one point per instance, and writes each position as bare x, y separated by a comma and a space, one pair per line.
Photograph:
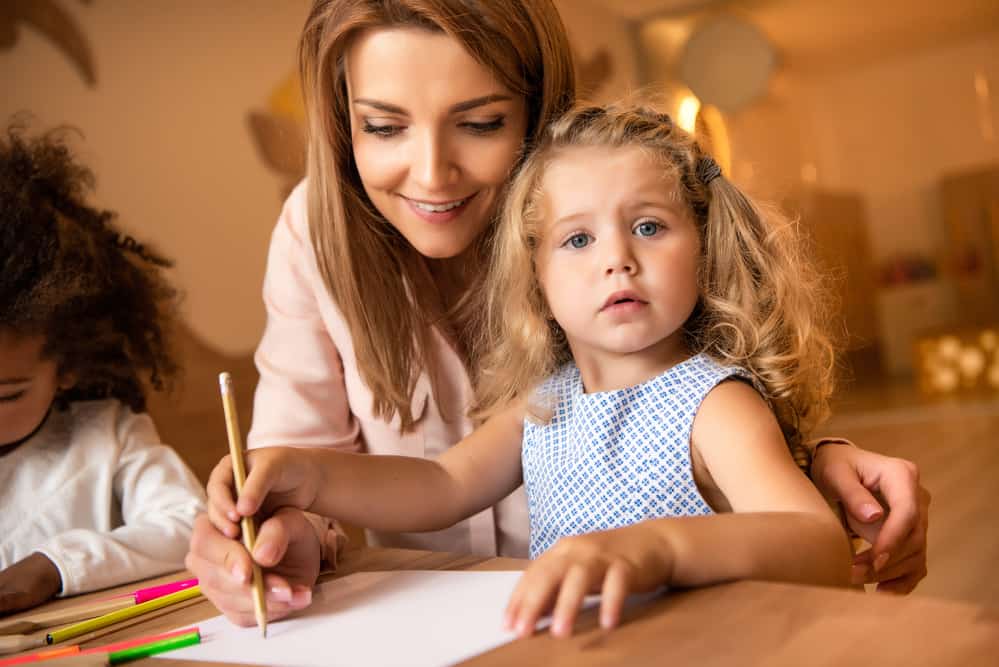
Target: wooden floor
955, 442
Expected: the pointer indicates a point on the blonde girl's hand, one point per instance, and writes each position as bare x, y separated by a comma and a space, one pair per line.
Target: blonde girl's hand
275, 477
613, 563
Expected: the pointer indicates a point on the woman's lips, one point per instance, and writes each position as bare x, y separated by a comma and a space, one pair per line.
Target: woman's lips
452, 209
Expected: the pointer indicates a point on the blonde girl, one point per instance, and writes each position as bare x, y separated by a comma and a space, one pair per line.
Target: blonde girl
656, 346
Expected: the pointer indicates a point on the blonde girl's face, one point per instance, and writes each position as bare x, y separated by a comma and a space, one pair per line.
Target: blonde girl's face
618, 260
28, 385
434, 135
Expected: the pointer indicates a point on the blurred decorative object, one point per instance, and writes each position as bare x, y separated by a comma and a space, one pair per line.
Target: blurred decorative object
971, 249
727, 62
55, 24
593, 73
958, 360
909, 310
278, 133
837, 225
908, 268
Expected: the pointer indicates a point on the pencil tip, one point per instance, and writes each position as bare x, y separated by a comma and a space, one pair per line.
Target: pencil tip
263, 631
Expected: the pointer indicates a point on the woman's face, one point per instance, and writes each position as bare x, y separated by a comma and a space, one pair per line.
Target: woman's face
435, 135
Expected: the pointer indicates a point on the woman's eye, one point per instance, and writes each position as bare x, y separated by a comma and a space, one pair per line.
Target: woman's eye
647, 228
10, 398
485, 128
578, 241
381, 130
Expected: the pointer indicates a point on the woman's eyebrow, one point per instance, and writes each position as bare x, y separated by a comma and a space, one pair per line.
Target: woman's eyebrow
457, 108
14, 380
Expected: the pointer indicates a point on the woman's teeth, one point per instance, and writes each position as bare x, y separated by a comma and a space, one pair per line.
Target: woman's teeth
438, 208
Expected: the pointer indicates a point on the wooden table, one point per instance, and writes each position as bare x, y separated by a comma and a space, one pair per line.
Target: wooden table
744, 623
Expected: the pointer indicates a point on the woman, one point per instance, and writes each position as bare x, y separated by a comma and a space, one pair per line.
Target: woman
418, 111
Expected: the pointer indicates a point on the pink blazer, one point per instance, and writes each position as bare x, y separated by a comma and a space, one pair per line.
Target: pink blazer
311, 393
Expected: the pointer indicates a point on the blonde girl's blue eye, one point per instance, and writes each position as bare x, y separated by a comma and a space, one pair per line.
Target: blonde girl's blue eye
647, 228
577, 241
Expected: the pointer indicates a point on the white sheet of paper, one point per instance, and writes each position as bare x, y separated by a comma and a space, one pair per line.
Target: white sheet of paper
402, 617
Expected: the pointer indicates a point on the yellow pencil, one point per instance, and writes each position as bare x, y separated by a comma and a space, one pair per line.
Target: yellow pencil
84, 627
249, 529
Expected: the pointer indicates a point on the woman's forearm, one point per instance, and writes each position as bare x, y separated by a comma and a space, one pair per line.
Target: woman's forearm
386, 493
794, 547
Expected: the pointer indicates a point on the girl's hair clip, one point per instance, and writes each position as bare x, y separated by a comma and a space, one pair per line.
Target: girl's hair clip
707, 170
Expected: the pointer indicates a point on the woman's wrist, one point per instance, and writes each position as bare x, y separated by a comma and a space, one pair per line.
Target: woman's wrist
806, 453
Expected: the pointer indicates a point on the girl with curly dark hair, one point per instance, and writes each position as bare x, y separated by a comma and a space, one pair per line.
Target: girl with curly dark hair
91, 497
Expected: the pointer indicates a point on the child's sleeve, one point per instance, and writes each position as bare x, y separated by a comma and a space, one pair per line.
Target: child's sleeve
157, 497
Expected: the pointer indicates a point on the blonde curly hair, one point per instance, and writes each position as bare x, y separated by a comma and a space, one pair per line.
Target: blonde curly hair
763, 306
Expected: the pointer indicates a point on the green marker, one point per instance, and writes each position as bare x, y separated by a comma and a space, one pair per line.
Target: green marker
146, 650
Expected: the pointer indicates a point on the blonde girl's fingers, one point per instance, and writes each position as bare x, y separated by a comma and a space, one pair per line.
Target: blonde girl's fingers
260, 479
221, 522
221, 489
540, 586
617, 583
573, 589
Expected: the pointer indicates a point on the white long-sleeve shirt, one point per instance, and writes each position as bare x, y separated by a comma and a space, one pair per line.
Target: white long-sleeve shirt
97, 493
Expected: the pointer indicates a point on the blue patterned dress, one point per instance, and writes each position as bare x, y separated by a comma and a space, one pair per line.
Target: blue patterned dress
615, 458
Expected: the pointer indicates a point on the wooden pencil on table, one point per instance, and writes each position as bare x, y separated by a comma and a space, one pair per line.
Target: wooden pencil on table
247, 524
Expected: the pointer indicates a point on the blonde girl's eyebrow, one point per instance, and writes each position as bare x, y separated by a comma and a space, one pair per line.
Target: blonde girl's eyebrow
460, 107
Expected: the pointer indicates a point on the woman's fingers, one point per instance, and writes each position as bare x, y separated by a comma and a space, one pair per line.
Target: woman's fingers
216, 551
272, 541
900, 488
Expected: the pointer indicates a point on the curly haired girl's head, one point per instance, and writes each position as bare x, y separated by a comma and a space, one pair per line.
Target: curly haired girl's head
95, 296
761, 303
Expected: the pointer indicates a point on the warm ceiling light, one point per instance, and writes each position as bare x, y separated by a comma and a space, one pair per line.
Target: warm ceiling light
686, 116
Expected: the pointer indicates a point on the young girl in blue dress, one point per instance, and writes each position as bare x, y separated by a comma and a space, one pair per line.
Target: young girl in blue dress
656, 344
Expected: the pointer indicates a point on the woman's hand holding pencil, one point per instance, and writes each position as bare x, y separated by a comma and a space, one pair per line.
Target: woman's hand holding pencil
286, 544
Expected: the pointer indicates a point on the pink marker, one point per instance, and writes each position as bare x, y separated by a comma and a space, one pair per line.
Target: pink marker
153, 592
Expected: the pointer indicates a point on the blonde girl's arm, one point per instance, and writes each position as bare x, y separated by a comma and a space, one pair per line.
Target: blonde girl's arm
780, 528
390, 493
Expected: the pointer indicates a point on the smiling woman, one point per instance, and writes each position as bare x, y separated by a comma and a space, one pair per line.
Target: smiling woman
435, 145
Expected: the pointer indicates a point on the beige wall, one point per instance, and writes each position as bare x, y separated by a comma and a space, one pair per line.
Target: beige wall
887, 131
166, 129
166, 134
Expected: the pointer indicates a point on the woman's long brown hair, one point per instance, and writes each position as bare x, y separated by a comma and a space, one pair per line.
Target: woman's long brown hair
392, 312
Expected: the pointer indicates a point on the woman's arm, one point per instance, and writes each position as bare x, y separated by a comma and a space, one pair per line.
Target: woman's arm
852, 476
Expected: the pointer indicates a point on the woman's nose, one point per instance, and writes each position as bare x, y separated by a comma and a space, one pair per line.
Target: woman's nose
433, 166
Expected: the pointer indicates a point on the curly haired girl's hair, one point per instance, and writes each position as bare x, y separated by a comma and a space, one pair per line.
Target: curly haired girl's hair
762, 304
96, 295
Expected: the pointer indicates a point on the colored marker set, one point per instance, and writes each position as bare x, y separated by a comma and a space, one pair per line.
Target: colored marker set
84, 619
